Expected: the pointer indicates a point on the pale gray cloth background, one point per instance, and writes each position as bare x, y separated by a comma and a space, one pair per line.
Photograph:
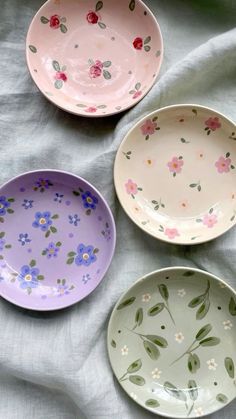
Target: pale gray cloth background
55, 366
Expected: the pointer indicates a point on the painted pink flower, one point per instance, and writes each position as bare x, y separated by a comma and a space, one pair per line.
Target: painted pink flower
54, 22
175, 165
171, 233
91, 109
138, 43
96, 69
223, 165
210, 220
137, 94
131, 187
148, 128
60, 76
92, 17
213, 123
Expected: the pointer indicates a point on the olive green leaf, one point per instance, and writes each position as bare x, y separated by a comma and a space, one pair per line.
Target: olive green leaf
222, 398
188, 273
152, 351
102, 25
56, 65
212, 341
138, 86
53, 229
63, 28
99, 6
137, 379
33, 49
58, 244
147, 48
10, 211
203, 332
193, 390
32, 263
70, 261
232, 306
163, 291
113, 343
58, 84
203, 310
44, 19
132, 5
196, 301
135, 366
106, 64
138, 317
47, 234
126, 303
193, 363
152, 403
2, 234
229, 365
153, 311
158, 340
71, 254
106, 74
147, 40
55, 216
174, 392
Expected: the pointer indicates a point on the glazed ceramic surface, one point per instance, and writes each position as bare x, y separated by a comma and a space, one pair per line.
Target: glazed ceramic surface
175, 174
94, 58
57, 239
171, 342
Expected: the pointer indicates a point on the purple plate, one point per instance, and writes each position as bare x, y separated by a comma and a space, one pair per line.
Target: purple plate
57, 239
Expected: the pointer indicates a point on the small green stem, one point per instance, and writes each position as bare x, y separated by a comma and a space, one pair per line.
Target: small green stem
190, 410
122, 378
186, 405
168, 309
188, 351
194, 349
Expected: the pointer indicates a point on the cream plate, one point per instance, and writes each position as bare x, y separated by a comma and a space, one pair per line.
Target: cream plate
175, 174
171, 342
94, 58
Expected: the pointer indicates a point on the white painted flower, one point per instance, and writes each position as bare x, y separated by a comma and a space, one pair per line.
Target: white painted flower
146, 298
179, 337
199, 411
134, 396
124, 350
156, 374
227, 325
212, 365
181, 293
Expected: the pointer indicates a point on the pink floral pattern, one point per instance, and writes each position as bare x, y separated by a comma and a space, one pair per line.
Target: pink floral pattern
210, 220
139, 43
132, 188
136, 92
60, 75
55, 22
212, 124
94, 18
91, 109
98, 68
224, 164
149, 127
171, 233
175, 165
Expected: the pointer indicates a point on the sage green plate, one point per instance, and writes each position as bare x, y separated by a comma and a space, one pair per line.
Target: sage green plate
172, 340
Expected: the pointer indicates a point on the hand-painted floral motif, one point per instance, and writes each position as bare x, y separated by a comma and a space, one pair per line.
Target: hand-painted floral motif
179, 337
136, 92
85, 255
146, 298
106, 232
209, 220
55, 22
63, 288
124, 350
44, 220
86, 278
98, 68
52, 250
223, 164
181, 293
3, 244
24, 239
42, 184
212, 124
93, 17
196, 185
28, 203
175, 165
156, 374
29, 277
149, 127
60, 75
58, 197
171, 233
5, 204
132, 188
91, 109
158, 204
132, 5
74, 219
227, 325
212, 365
139, 43
149, 162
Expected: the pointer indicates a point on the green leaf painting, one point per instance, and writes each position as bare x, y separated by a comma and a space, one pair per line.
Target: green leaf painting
126, 303
132, 5
193, 390
203, 301
153, 311
229, 366
222, 398
135, 366
152, 403
157, 308
129, 374
174, 391
137, 380
138, 317
152, 351
232, 306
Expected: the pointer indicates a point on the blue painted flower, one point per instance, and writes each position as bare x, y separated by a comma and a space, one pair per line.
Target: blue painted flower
74, 219
28, 277
58, 197
4, 204
89, 200
63, 290
52, 250
85, 255
24, 238
28, 203
42, 220
43, 183
2, 244
86, 278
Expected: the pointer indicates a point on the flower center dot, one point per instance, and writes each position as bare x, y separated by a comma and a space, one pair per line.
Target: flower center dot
28, 277
85, 256
42, 221
89, 200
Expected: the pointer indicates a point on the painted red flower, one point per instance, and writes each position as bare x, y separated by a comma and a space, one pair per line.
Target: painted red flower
213, 123
54, 22
138, 43
91, 109
92, 17
96, 69
137, 94
60, 76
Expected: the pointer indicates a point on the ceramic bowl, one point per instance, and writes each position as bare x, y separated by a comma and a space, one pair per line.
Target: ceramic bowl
171, 342
94, 58
175, 174
57, 239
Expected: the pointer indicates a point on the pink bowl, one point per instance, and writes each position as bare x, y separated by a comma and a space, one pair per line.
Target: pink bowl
94, 58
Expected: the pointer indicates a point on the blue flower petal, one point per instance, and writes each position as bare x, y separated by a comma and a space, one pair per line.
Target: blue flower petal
25, 270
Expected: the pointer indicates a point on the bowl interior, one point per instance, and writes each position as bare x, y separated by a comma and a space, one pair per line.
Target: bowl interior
99, 58
175, 174
171, 342
57, 239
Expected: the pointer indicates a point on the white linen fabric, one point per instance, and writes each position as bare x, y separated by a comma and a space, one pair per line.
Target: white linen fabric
55, 365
